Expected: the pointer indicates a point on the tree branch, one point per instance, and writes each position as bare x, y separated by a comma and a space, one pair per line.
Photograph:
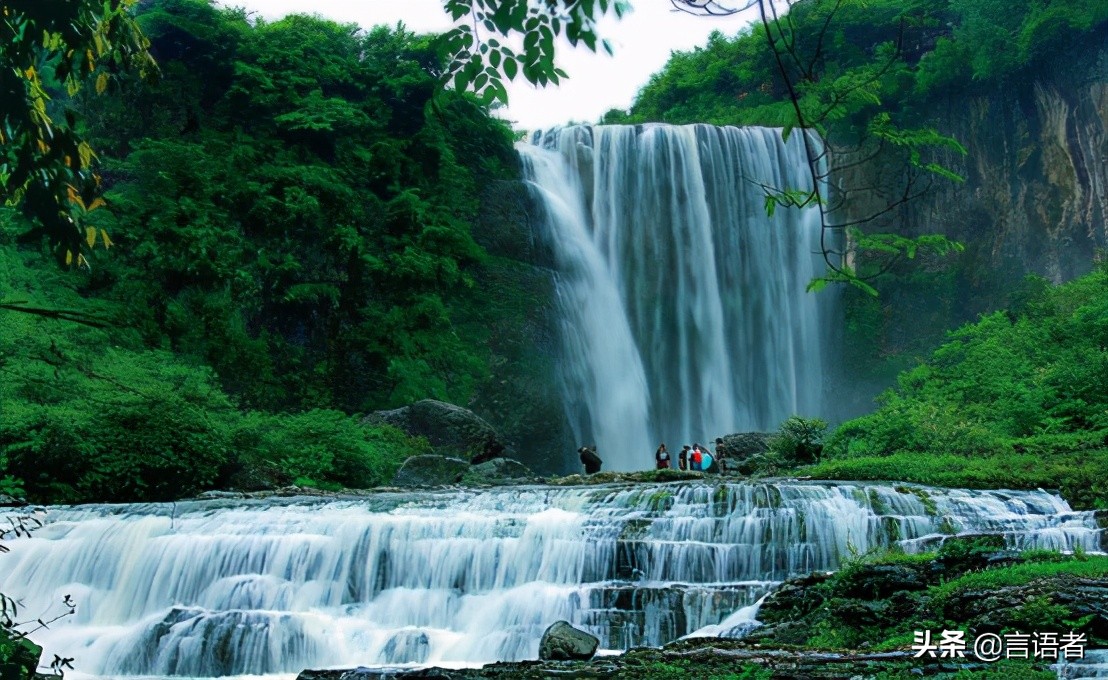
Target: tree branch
59, 314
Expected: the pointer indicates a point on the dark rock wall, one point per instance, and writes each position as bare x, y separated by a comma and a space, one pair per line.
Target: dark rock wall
1035, 196
522, 398
1036, 190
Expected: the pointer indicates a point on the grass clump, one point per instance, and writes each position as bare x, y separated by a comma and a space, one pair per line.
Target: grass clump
1094, 566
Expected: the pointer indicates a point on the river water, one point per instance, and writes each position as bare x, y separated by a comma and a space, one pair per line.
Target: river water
461, 577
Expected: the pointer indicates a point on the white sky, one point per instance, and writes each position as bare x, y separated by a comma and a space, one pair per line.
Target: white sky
642, 40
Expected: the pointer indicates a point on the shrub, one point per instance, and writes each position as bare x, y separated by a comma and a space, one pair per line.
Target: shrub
11, 486
323, 448
799, 439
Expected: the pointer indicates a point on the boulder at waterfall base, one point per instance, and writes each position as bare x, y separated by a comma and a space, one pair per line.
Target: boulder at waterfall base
746, 451
745, 444
563, 642
430, 470
450, 430
498, 471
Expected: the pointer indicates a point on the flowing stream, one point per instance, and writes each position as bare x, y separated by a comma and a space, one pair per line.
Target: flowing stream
464, 577
683, 304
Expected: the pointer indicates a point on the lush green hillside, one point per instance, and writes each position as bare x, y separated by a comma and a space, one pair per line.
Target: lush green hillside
931, 49
292, 209
1015, 400
90, 412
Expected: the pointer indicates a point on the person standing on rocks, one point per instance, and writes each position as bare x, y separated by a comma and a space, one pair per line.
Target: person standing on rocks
661, 457
590, 460
696, 458
683, 458
721, 454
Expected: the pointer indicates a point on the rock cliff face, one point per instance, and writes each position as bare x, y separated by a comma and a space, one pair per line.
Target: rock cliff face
1035, 199
521, 396
1036, 189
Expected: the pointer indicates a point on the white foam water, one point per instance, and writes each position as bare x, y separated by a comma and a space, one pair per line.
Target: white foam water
465, 577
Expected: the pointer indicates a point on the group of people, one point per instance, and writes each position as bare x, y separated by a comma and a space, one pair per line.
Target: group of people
695, 457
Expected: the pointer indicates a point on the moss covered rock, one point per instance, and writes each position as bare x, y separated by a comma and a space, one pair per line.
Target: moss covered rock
451, 430
563, 642
430, 471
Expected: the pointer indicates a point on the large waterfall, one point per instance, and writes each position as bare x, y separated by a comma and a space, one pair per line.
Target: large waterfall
683, 303
216, 588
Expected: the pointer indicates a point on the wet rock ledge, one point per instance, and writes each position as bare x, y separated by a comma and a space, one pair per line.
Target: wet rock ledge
858, 623
707, 658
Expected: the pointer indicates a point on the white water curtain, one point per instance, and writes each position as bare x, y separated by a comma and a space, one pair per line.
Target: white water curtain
684, 310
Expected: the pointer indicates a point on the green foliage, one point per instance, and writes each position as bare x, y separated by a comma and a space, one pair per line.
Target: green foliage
1040, 614
482, 63
86, 417
45, 161
969, 553
954, 45
799, 439
686, 668
1020, 575
73, 434
18, 651
336, 193
321, 448
888, 247
10, 486
997, 42
92, 415
1014, 400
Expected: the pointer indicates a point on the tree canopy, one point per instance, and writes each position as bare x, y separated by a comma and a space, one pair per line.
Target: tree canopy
46, 165
294, 204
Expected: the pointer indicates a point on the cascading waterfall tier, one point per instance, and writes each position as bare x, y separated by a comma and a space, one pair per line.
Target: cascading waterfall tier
683, 304
218, 588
